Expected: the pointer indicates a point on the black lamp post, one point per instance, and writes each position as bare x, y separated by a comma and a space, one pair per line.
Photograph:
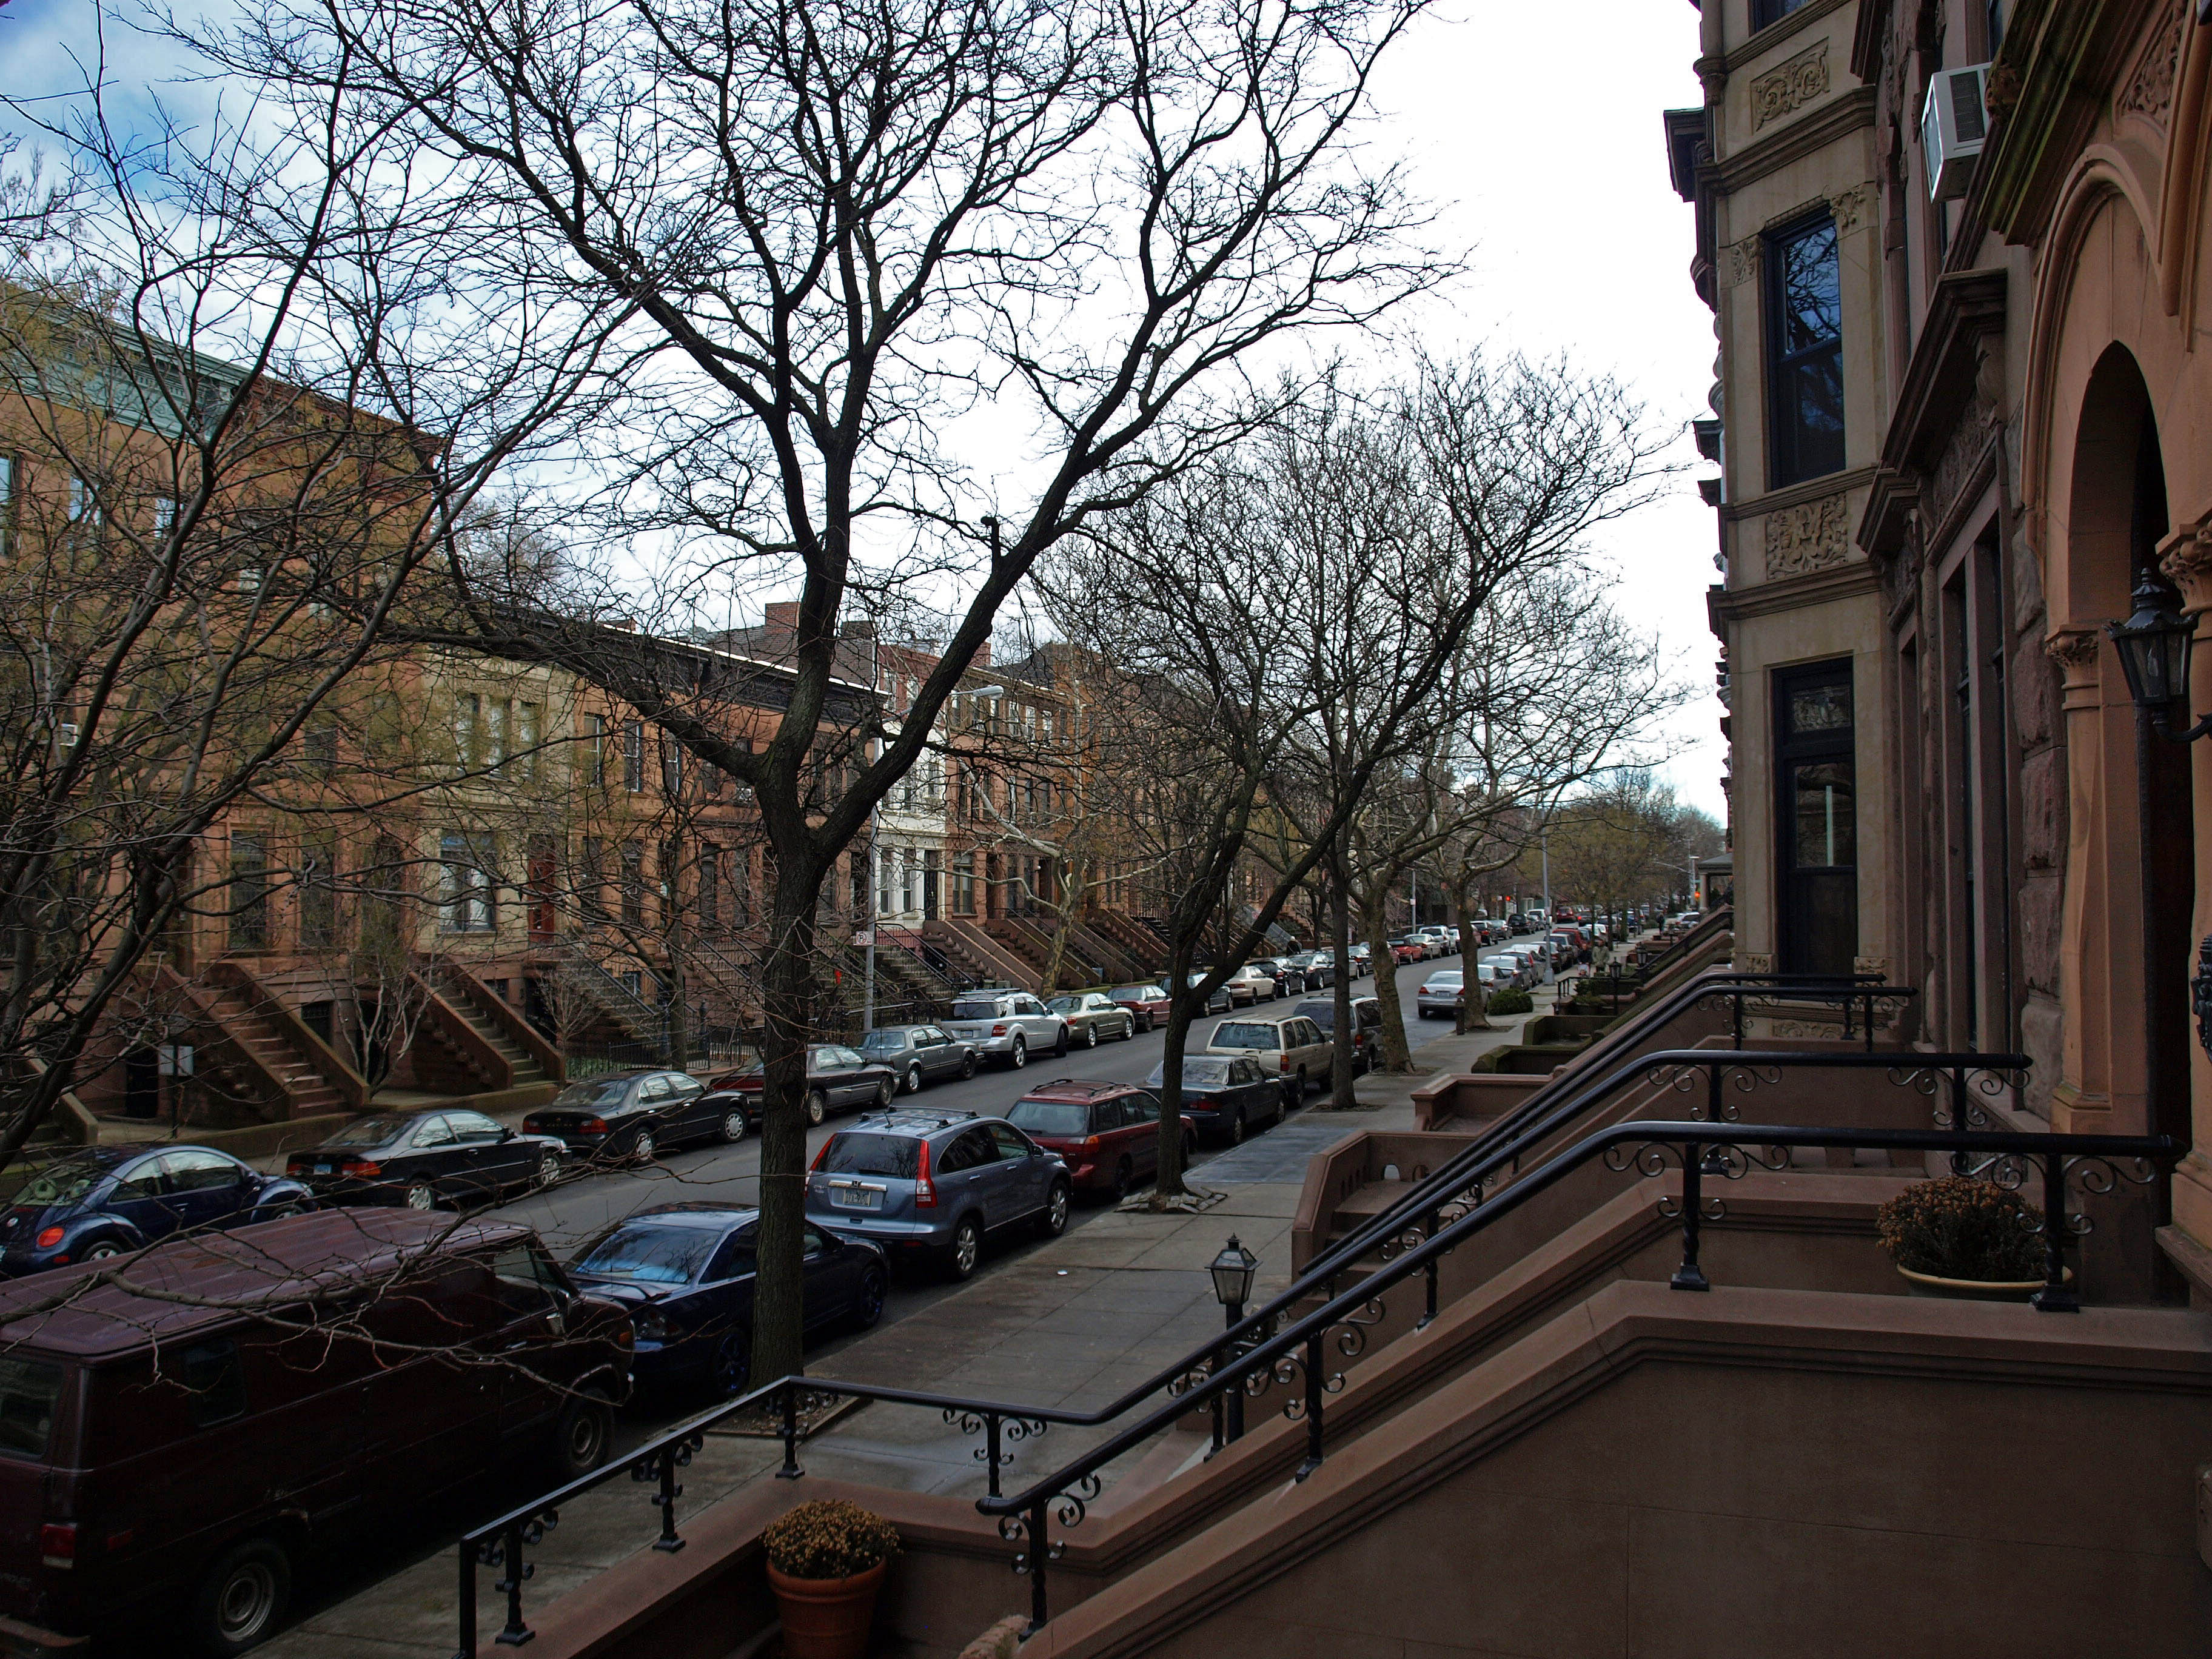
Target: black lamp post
2154, 647
1233, 1271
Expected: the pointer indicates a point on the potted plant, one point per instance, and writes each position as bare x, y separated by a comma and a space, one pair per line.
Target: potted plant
1963, 1237
826, 1560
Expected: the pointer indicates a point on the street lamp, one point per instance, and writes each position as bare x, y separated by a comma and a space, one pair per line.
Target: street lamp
2153, 648
1233, 1271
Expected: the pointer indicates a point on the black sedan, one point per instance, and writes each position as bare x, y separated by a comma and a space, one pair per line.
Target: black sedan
918, 1054
635, 1114
836, 1078
107, 1199
1227, 1095
685, 1272
424, 1159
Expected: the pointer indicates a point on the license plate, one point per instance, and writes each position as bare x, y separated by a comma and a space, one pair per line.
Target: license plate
326, 1169
856, 1198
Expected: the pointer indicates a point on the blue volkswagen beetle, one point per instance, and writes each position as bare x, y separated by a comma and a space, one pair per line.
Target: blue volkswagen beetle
107, 1199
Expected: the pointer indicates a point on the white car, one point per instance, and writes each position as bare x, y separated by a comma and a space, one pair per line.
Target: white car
1006, 1026
1293, 1047
1256, 983
1440, 992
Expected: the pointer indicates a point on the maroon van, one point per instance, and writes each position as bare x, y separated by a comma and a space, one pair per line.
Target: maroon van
154, 1452
1108, 1134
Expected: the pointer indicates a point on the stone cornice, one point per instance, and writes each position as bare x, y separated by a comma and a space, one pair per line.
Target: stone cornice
1828, 483
2060, 60
1939, 383
1796, 139
1846, 582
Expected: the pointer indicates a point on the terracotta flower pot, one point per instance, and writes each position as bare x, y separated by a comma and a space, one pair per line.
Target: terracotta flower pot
1975, 1290
826, 1618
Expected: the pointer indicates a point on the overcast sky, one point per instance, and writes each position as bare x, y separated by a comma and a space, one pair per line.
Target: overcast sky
1543, 150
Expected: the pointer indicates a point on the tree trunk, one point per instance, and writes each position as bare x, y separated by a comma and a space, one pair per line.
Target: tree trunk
1342, 1097
676, 1018
1473, 1015
788, 987
1183, 1007
1374, 919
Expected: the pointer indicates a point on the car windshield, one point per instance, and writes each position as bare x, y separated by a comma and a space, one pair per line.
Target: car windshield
974, 1010
64, 1182
856, 1152
650, 1253
1447, 982
1050, 1117
593, 1091
1322, 1014
369, 1132
1245, 1034
893, 1041
1197, 1074
1065, 1005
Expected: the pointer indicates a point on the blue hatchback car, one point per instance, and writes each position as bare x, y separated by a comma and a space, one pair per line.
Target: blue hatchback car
107, 1200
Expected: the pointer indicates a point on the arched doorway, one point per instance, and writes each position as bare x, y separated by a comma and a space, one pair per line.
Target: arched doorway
2118, 516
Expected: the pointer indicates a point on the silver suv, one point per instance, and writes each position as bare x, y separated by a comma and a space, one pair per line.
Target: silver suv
1007, 1025
933, 1185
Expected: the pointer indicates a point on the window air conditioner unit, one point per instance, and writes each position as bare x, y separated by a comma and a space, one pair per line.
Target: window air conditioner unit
1952, 127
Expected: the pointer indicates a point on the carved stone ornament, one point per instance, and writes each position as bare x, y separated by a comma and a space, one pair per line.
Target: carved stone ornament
1742, 261
2186, 556
1871, 965
1791, 86
1811, 536
1851, 207
1754, 962
2149, 90
2074, 652
1968, 442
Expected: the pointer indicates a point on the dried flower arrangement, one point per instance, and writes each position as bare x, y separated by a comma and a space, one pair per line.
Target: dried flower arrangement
1959, 1227
828, 1538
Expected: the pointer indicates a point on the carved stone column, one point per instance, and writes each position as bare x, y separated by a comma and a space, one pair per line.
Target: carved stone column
2186, 556
2082, 1098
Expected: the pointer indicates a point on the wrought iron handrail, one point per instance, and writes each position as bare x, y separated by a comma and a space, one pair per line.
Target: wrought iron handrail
1698, 935
1297, 1351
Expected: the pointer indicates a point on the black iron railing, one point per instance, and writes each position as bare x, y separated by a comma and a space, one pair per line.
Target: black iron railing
1296, 1352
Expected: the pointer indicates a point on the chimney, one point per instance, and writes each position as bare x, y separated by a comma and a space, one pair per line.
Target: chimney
782, 622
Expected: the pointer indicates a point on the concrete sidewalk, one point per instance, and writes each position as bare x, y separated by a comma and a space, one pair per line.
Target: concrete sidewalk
1073, 1324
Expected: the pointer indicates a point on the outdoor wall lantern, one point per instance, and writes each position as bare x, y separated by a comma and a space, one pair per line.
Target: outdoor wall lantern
1233, 1271
2154, 647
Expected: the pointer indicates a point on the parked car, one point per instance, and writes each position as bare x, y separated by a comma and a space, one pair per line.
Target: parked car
1092, 1015
1254, 983
933, 1186
1223, 1000
1363, 959
168, 1465
1107, 1133
837, 1079
1007, 1025
1366, 1027
1290, 978
685, 1273
104, 1201
1147, 1005
1517, 923
1291, 1048
1440, 992
1408, 949
423, 1159
632, 1115
1319, 967
918, 1054
1227, 1095
1444, 941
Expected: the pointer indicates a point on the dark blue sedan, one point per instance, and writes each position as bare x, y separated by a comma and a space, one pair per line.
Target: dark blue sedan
107, 1200
685, 1272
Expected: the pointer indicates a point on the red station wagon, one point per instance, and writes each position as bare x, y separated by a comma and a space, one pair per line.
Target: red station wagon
162, 1461
1107, 1133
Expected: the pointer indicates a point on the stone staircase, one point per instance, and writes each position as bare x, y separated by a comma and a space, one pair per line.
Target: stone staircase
254, 1059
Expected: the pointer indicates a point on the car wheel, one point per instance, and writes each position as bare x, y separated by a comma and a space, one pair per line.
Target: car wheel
420, 1197
967, 1250
885, 1091
582, 1434
1302, 1085
1019, 1057
733, 1366
1090, 1036
733, 1128
1129, 1028
645, 1146
818, 1107
549, 1169
1054, 1222
1190, 1149
914, 1079
1059, 1049
868, 1306
967, 1067
242, 1597
1236, 1128
101, 1251
1125, 1176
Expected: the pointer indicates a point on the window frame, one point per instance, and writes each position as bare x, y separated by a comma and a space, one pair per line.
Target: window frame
1785, 466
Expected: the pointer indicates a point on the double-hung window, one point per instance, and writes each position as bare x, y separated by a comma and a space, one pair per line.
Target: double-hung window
1804, 354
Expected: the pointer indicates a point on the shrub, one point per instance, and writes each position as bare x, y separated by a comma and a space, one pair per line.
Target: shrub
828, 1538
1512, 1000
1962, 1228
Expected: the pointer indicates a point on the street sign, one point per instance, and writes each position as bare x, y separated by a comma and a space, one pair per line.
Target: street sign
864, 939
